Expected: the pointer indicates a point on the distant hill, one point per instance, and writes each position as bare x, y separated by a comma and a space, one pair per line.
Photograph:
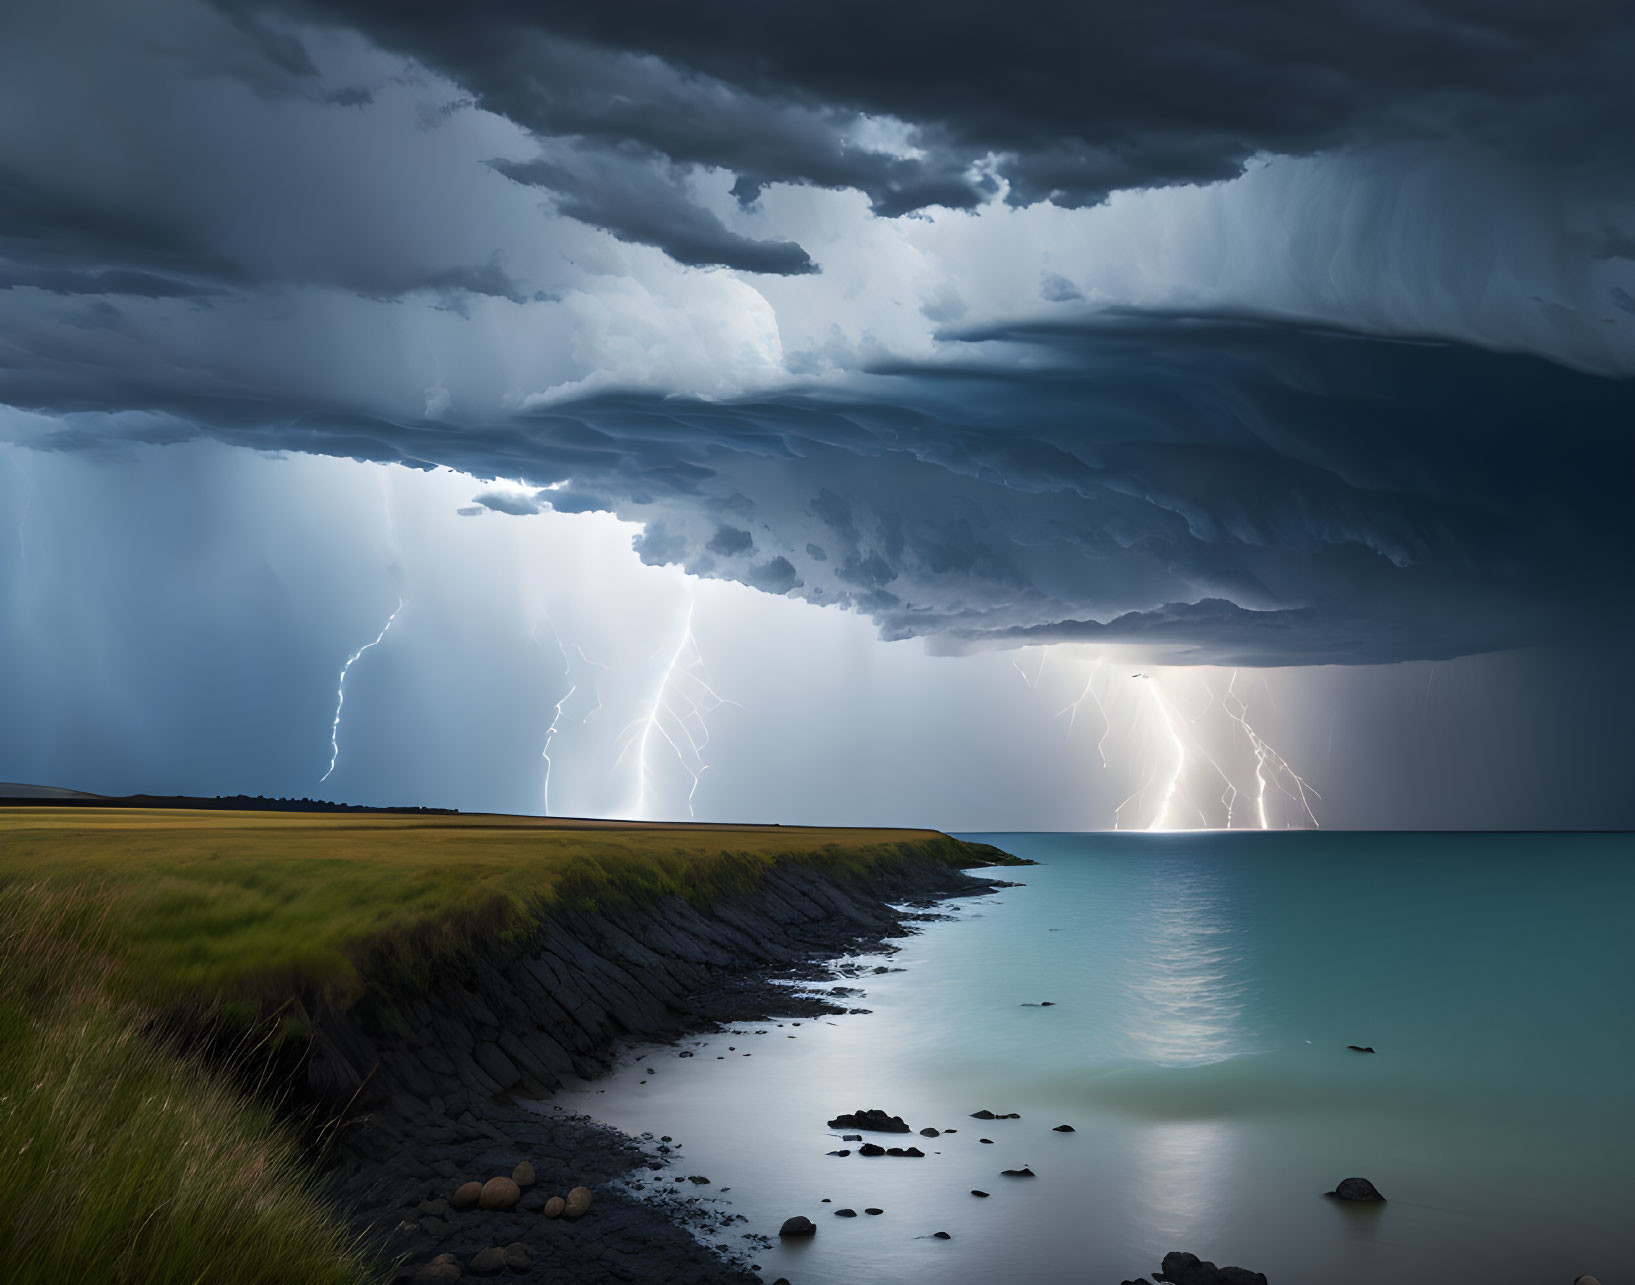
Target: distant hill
16, 794
17, 790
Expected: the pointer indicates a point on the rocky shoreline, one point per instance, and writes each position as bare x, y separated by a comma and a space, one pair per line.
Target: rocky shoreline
439, 1080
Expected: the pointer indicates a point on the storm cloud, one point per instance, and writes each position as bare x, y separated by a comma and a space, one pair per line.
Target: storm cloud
1001, 329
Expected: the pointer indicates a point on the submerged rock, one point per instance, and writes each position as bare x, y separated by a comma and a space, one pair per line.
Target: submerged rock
873, 1120
1357, 1189
798, 1226
1188, 1269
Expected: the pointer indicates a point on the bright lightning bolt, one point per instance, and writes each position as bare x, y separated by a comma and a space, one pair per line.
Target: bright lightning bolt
1265, 755
677, 715
340, 692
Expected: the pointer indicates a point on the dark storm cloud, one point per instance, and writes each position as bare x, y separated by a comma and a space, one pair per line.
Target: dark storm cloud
637, 203
1236, 490
1074, 102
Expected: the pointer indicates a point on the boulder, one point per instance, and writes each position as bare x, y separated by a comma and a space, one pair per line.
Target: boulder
941, 1235
466, 1195
489, 1262
845, 1213
442, 1268
871, 1149
930, 1133
798, 1226
1188, 1269
577, 1203
517, 1257
523, 1175
905, 1151
874, 1211
553, 1207
982, 1115
1359, 1189
499, 1193
873, 1120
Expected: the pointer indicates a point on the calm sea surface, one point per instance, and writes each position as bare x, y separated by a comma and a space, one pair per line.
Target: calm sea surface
1204, 989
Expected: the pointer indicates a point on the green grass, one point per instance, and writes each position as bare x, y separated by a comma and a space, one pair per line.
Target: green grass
121, 1158
125, 1158
228, 911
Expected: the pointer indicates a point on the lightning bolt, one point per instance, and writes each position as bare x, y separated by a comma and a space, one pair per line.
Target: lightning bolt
1072, 710
1266, 756
678, 716
340, 692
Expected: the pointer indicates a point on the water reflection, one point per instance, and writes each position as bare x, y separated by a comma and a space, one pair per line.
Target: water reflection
1182, 990
1180, 1183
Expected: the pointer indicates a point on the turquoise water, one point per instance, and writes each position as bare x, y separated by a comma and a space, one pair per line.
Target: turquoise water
1204, 988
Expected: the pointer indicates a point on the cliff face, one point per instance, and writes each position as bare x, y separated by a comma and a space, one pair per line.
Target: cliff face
519, 1016
433, 1068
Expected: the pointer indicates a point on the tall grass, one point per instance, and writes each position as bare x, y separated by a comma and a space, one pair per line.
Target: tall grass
121, 1158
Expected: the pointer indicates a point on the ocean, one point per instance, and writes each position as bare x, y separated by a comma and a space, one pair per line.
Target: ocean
1202, 991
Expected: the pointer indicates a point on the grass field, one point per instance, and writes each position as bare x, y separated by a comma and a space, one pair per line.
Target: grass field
126, 1158
242, 908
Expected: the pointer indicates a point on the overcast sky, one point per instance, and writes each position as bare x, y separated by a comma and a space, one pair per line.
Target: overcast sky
944, 372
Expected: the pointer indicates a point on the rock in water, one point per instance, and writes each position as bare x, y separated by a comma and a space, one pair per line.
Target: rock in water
577, 1203
523, 1175
1357, 1189
554, 1207
1586, 1280
941, 1235
798, 1226
1023, 1172
1188, 1269
467, 1195
1064, 1128
982, 1194
871, 1149
1360, 1048
845, 1213
499, 1193
929, 1133
984, 1114
875, 1121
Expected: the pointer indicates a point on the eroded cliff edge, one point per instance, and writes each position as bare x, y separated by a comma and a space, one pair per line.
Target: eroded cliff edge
432, 1069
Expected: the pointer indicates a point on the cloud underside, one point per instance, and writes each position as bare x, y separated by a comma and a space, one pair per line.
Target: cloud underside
1047, 103
1222, 490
